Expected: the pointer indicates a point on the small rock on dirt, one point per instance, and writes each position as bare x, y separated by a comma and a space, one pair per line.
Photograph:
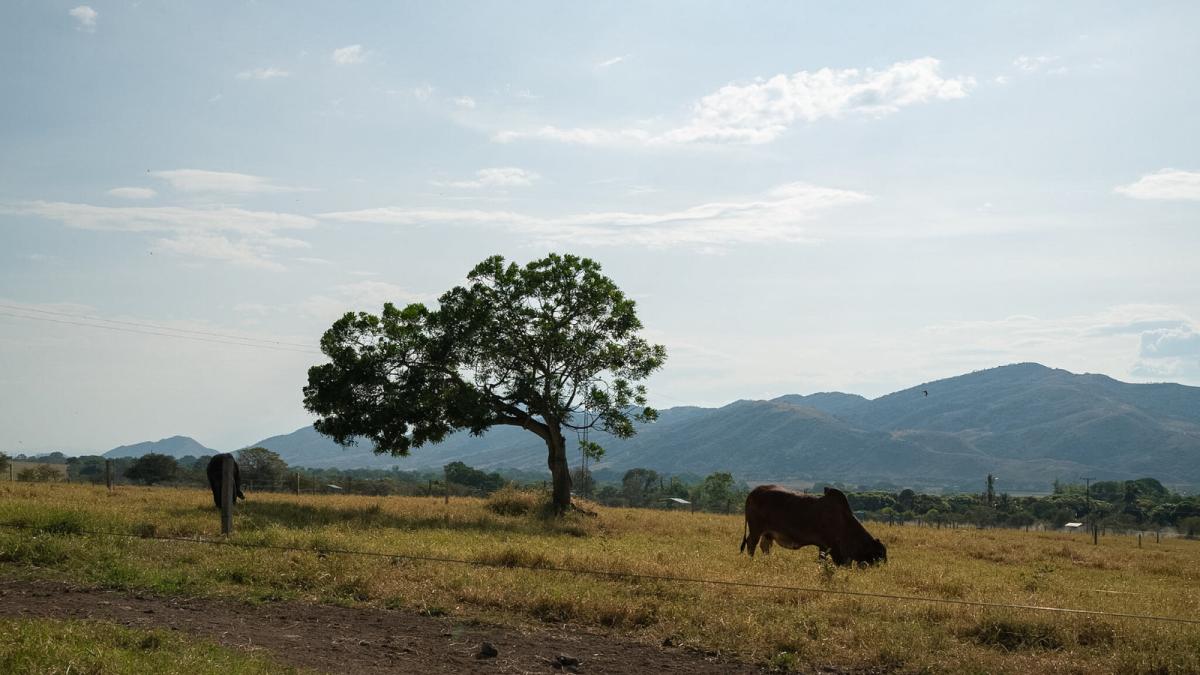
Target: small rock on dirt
487, 651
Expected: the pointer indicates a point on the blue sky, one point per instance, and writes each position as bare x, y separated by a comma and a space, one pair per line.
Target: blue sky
801, 197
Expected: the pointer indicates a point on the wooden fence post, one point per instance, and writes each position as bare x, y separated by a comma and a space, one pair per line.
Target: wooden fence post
108, 474
446, 476
297, 482
1095, 534
1139, 539
227, 494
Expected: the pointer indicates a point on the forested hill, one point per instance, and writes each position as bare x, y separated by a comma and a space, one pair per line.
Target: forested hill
175, 446
1026, 423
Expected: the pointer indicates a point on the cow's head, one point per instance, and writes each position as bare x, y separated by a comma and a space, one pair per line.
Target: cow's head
873, 552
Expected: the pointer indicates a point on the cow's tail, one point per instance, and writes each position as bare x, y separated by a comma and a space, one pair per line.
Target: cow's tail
745, 535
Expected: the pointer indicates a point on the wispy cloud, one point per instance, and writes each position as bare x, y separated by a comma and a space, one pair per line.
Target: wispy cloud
505, 176
423, 92
1164, 184
1031, 64
199, 180
763, 110
779, 215
132, 193
348, 55
465, 102
611, 62
268, 73
235, 235
85, 18
367, 296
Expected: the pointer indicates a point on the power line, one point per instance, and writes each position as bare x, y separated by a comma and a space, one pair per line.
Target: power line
162, 334
627, 575
155, 327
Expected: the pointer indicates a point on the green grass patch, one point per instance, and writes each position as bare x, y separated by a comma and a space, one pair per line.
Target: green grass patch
61, 647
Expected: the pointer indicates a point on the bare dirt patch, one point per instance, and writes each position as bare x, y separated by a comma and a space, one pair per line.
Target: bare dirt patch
359, 640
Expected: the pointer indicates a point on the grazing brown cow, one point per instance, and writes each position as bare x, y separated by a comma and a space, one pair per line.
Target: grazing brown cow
775, 514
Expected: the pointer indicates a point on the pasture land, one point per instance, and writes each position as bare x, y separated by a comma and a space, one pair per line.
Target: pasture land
49, 647
783, 629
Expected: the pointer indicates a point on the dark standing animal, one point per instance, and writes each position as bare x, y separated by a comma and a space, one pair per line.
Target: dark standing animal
774, 514
214, 478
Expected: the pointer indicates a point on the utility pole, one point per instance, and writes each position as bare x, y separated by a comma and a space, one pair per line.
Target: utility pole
1087, 489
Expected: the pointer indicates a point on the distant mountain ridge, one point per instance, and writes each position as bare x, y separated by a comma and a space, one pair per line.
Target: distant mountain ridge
175, 446
1024, 422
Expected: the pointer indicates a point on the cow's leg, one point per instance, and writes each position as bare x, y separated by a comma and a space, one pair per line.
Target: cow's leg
765, 546
752, 541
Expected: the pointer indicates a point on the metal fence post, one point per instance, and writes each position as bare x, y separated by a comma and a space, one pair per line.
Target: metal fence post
227, 494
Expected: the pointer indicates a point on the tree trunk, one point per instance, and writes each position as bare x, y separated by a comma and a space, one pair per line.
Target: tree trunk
559, 470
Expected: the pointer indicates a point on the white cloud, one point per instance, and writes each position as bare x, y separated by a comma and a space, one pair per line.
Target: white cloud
761, 111
578, 136
779, 215
1032, 64
1000, 79
85, 16
423, 92
132, 193
465, 102
1164, 184
198, 180
350, 54
359, 296
611, 62
1182, 341
245, 252
505, 176
234, 235
267, 73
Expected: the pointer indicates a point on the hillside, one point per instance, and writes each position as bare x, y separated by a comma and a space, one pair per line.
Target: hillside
1024, 422
175, 446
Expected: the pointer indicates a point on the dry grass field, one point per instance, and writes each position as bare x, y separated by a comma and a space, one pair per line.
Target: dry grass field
783, 629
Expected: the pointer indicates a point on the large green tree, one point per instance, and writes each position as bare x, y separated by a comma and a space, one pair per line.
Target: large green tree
551, 346
261, 467
152, 468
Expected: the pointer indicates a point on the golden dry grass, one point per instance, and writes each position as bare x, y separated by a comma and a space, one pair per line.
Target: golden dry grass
785, 629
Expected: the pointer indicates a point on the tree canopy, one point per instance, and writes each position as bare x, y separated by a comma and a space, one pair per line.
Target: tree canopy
261, 467
550, 346
152, 468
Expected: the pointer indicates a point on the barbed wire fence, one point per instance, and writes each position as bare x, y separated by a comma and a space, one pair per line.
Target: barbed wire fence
609, 574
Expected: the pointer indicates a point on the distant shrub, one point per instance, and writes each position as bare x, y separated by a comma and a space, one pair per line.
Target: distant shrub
42, 473
509, 501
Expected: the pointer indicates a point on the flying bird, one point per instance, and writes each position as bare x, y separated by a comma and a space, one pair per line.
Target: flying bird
926, 391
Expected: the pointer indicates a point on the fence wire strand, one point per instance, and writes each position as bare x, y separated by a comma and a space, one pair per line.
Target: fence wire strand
622, 575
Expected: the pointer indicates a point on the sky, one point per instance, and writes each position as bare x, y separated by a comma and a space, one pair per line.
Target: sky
801, 197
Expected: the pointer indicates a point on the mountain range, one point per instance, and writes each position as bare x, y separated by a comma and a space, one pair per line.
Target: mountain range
1026, 423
